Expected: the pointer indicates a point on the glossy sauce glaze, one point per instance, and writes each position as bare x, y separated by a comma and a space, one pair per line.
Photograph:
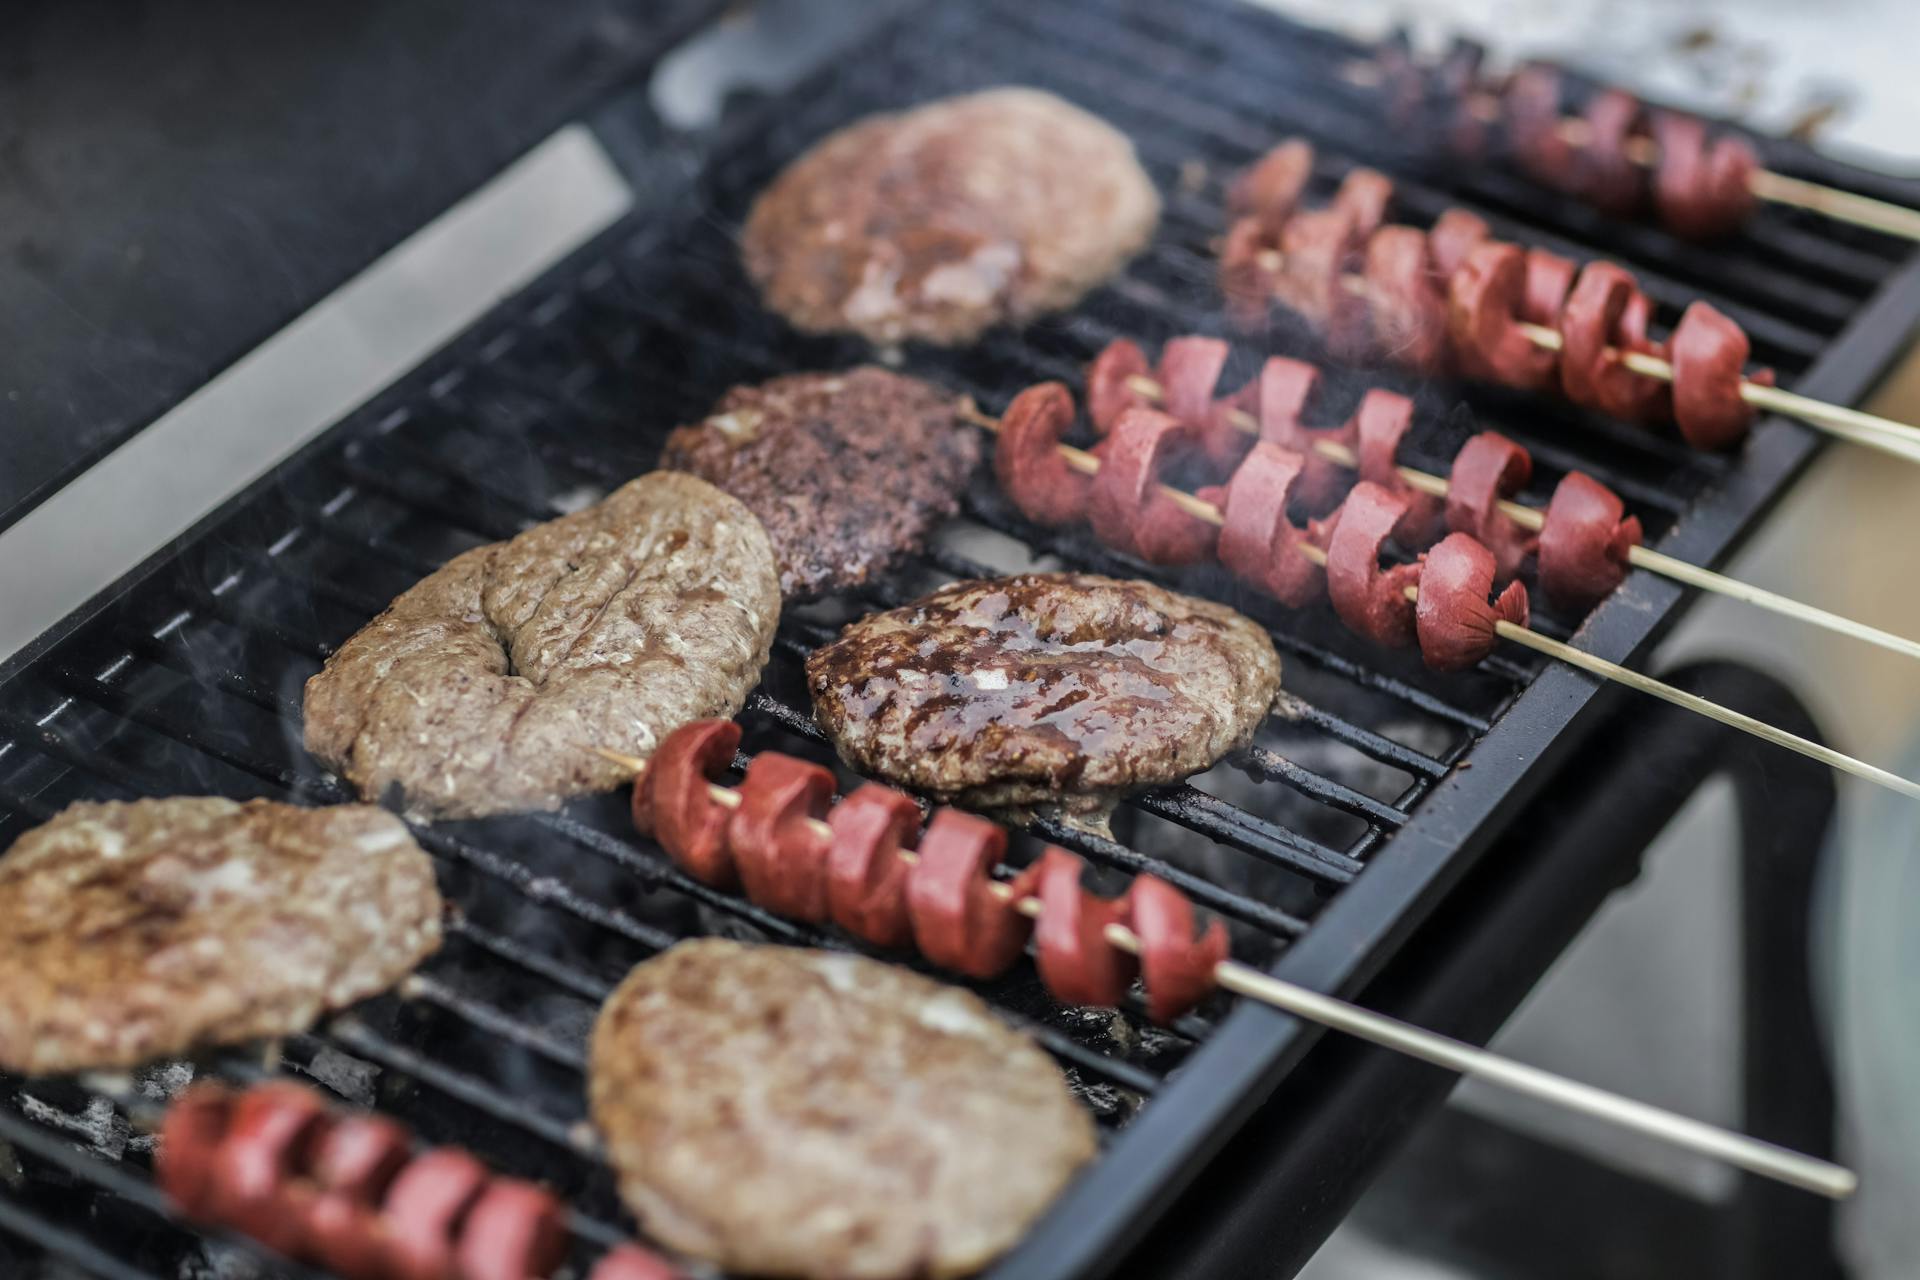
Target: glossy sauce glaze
1044, 689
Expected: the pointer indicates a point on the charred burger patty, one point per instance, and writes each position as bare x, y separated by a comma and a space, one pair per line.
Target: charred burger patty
940, 222
847, 471
142, 930
484, 688
1050, 690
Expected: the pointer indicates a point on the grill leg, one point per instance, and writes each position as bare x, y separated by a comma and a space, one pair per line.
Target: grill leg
1300, 1165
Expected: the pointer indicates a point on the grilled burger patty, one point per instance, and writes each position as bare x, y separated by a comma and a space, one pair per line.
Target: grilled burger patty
801, 1113
1053, 690
847, 471
482, 688
940, 222
142, 930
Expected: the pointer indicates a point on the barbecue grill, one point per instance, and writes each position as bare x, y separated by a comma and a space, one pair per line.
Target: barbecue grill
1344, 848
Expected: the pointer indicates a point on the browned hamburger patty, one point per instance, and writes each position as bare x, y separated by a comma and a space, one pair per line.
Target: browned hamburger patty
803, 1113
940, 222
1051, 690
847, 471
483, 688
142, 930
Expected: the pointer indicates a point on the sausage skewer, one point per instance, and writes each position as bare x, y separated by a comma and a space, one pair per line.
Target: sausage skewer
1777, 188
1639, 556
1089, 464
1074, 927
351, 1191
1901, 440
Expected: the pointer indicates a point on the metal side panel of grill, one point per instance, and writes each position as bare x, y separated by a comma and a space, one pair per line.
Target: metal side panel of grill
1324, 846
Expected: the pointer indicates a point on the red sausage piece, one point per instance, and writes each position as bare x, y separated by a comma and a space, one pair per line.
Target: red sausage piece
1709, 354
515, 1231
346, 1237
1702, 190
1259, 543
1126, 507
1488, 468
1608, 178
1549, 279
1176, 966
1369, 599
1363, 196
1484, 307
424, 1211
680, 811
1532, 112
1607, 313
1076, 961
1380, 424
959, 922
1108, 389
866, 876
360, 1155
259, 1185
1027, 460
1456, 624
1270, 191
353, 1166
1250, 263
190, 1135
1585, 543
778, 852
1455, 234
1316, 248
1189, 371
1282, 395
1408, 315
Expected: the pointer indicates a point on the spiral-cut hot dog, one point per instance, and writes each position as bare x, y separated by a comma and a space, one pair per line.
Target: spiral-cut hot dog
1455, 297
349, 1192
941, 895
1259, 538
1282, 494
1700, 187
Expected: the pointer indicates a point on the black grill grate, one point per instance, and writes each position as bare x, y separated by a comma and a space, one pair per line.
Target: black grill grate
187, 677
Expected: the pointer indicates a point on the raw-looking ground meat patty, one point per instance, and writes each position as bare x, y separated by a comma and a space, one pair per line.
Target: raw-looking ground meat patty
1053, 690
484, 688
143, 930
940, 222
847, 471
786, 1112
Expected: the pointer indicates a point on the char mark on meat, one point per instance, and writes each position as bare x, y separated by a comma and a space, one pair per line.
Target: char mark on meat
1055, 692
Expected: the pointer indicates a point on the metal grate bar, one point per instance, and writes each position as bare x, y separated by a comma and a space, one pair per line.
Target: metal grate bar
573, 1136
67, 1244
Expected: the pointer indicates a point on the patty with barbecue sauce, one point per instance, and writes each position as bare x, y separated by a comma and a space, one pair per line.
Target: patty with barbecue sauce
808, 1114
485, 687
940, 222
847, 471
143, 930
1046, 691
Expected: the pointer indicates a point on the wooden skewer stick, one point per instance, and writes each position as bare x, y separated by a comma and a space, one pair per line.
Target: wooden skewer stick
1776, 188
1897, 438
1640, 557
1900, 439
1763, 1158
1200, 509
